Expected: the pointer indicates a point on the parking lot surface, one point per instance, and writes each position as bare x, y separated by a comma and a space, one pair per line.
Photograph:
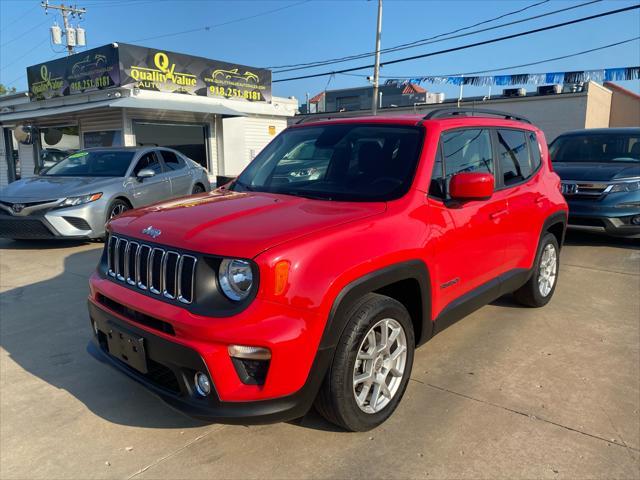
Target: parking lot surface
508, 392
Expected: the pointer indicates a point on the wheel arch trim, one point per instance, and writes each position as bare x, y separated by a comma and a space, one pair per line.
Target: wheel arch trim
409, 270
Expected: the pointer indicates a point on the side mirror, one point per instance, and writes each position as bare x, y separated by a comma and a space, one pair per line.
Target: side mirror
471, 186
145, 173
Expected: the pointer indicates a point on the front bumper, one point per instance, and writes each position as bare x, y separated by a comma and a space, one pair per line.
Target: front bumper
79, 222
181, 343
172, 368
612, 217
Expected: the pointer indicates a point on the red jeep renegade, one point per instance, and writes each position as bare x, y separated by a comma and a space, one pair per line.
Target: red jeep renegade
314, 275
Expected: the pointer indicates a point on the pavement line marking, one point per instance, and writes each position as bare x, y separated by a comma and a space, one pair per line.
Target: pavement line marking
171, 454
601, 269
534, 417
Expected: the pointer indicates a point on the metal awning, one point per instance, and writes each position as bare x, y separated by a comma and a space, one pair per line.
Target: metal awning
46, 111
170, 102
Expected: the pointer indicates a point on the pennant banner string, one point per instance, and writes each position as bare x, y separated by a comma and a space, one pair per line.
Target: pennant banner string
603, 75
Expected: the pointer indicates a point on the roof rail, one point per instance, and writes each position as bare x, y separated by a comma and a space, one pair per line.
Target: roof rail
318, 118
454, 112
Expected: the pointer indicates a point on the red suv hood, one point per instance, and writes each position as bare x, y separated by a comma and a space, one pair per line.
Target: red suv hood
238, 224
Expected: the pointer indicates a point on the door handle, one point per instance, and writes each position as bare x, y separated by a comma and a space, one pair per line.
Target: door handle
498, 214
539, 200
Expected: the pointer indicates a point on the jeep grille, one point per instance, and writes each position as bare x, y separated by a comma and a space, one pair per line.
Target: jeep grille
151, 268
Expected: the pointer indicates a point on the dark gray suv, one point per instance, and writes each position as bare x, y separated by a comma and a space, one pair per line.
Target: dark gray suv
600, 172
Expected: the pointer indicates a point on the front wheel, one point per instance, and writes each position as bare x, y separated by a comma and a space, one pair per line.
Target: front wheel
118, 207
540, 288
197, 188
371, 365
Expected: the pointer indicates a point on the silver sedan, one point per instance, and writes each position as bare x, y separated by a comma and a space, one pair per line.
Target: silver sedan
77, 196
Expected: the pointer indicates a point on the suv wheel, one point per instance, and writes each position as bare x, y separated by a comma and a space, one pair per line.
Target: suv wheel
540, 288
371, 365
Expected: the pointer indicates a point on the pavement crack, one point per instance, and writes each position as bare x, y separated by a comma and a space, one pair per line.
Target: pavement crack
175, 452
524, 414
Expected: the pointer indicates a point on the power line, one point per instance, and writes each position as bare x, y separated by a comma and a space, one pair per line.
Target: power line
471, 45
209, 27
360, 55
522, 65
24, 33
435, 39
21, 57
20, 17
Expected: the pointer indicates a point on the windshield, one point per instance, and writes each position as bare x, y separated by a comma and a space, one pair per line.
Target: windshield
93, 164
596, 148
337, 162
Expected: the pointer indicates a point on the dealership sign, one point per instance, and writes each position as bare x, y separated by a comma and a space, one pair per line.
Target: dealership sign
148, 69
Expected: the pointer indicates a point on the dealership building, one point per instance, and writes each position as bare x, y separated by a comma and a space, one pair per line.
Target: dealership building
217, 113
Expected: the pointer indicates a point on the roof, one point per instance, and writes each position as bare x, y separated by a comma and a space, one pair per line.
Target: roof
621, 89
603, 131
413, 88
317, 98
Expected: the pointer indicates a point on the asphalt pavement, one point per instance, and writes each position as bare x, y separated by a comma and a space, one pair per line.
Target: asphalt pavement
509, 392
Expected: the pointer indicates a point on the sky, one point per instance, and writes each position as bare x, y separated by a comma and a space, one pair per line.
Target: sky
264, 33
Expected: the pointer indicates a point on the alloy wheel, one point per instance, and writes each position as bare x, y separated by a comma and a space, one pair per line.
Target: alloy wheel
548, 270
380, 365
117, 210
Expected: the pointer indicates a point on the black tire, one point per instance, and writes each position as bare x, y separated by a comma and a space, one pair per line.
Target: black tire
197, 188
336, 400
530, 293
117, 207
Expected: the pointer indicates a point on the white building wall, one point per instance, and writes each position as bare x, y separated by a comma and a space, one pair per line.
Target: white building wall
4, 164
245, 137
259, 131
27, 161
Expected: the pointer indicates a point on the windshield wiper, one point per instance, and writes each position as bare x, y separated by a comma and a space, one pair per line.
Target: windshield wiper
312, 196
248, 188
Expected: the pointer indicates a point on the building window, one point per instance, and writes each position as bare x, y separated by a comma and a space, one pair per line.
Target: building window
103, 138
57, 143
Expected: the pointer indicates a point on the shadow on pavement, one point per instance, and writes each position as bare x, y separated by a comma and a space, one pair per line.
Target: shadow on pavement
45, 329
588, 239
40, 244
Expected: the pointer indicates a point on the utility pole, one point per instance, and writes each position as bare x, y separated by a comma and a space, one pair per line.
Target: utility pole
72, 35
376, 70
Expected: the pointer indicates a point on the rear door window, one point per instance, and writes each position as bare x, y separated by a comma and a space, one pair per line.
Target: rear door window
534, 146
513, 155
172, 161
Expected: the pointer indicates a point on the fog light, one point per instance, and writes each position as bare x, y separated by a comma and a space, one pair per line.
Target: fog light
635, 220
203, 384
95, 326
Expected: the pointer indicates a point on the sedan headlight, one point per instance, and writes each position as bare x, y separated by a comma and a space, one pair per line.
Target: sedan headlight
625, 187
236, 278
74, 201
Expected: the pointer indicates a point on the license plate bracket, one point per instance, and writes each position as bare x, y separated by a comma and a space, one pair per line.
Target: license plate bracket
127, 348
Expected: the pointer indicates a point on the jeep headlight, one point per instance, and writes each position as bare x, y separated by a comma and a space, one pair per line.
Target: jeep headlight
625, 186
236, 278
74, 201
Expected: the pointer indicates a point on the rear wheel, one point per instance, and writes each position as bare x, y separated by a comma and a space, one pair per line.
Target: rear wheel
197, 188
540, 288
371, 365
